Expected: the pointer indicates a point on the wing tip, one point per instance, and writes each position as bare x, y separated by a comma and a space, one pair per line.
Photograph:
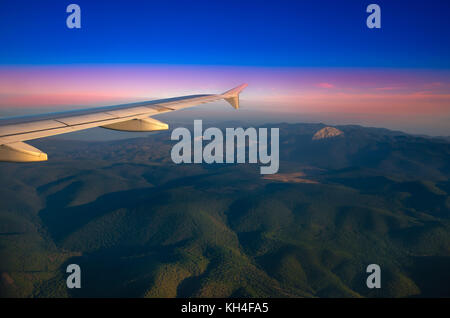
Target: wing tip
236, 90
232, 95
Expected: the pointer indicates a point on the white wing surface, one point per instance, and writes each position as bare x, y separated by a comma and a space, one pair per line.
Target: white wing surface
128, 117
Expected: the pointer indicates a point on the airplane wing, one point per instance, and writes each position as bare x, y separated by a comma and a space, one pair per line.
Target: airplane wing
128, 117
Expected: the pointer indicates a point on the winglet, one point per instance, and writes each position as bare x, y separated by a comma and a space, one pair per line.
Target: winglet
232, 96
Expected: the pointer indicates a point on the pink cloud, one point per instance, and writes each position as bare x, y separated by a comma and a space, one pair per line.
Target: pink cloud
388, 88
434, 84
325, 85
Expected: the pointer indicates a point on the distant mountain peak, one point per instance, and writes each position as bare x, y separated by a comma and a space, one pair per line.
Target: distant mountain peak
327, 132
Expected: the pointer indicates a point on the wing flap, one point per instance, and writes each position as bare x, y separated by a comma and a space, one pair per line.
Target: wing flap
21, 152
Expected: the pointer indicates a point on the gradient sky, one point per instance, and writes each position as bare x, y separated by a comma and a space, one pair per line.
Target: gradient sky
314, 58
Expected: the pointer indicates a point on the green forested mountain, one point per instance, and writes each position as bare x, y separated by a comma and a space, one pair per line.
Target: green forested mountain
141, 226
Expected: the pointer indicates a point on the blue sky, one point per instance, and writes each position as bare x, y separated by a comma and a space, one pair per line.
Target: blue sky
414, 34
